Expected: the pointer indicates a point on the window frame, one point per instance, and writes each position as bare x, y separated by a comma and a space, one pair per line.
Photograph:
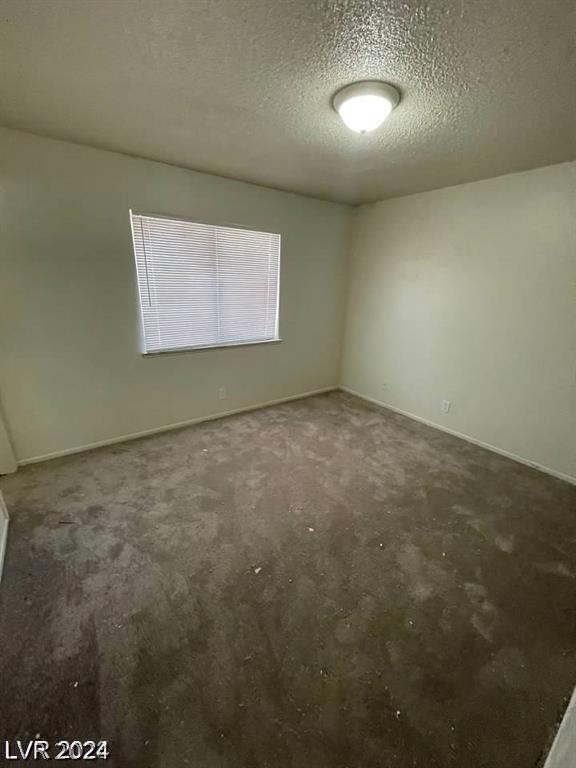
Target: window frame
200, 347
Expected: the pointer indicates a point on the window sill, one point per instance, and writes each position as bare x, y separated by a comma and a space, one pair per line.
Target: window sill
231, 345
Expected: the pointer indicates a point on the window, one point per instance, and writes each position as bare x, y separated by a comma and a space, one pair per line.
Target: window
204, 286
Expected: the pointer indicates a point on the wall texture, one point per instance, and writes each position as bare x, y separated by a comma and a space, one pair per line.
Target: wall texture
71, 372
469, 294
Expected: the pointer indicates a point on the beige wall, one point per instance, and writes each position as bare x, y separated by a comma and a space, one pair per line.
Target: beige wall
465, 294
469, 294
71, 372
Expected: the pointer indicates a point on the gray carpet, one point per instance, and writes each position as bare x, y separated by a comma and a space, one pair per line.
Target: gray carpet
320, 584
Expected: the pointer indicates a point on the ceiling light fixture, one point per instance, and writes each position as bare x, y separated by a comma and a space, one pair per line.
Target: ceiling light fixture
364, 106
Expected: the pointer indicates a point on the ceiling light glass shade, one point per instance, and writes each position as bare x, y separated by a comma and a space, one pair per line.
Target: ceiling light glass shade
364, 106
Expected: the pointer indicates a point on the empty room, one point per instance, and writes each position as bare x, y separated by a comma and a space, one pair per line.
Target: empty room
288, 383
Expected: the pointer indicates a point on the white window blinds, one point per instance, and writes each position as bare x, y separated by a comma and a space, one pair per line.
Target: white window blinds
204, 286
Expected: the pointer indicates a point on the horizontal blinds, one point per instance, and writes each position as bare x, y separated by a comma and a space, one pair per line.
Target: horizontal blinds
202, 285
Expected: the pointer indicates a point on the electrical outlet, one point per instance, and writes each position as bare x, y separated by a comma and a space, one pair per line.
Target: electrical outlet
222, 393
445, 406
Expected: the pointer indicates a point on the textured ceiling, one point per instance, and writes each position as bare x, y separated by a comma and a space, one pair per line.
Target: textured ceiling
243, 88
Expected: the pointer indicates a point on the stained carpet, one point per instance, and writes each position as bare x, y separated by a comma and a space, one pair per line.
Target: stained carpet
320, 584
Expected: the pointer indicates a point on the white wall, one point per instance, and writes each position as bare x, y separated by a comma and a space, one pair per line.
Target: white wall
71, 372
4, 520
563, 749
466, 294
7, 458
469, 294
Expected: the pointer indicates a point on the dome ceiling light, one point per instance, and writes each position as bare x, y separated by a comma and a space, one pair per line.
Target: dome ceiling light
365, 105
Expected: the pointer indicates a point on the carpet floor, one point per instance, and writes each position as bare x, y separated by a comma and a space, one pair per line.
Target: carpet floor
319, 584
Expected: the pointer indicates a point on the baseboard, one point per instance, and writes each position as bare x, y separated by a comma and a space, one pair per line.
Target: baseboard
463, 436
3, 531
563, 751
170, 427
299, 396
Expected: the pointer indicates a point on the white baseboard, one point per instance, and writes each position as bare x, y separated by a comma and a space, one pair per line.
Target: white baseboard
299, 396
170, 427
3, 531
563, 751
463, 436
